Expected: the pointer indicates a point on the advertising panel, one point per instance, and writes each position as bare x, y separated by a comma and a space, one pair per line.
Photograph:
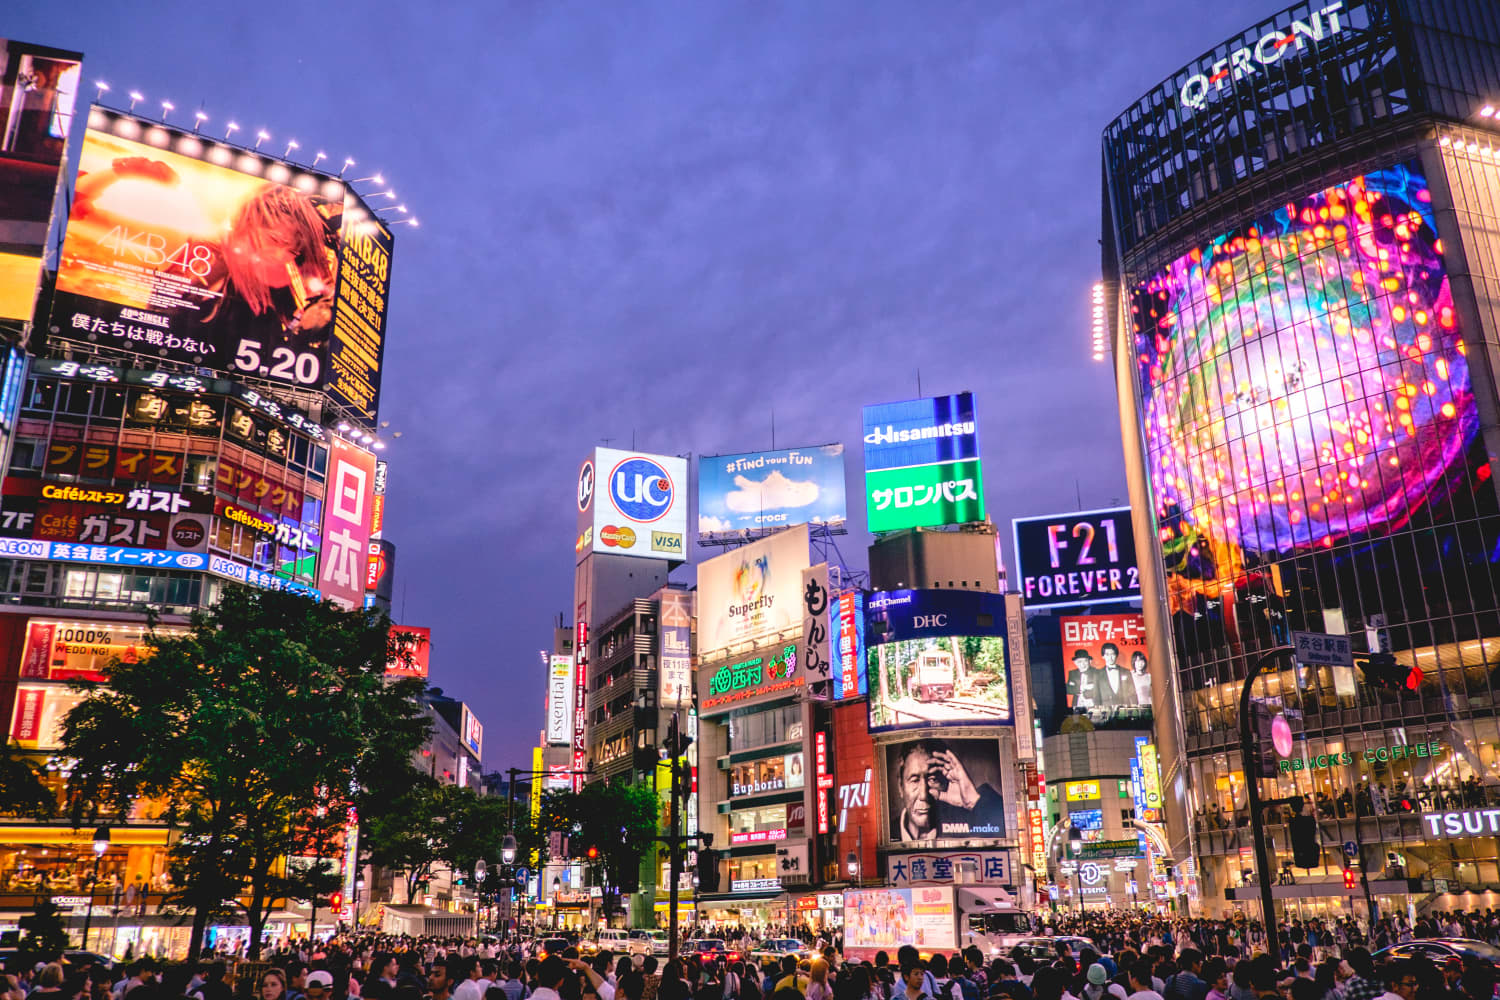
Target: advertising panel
749, 494
1108, 674
937, 657
940, 867
346, 523
772, 672
79, 650
675, 654
846, 643
356, 352
580, 689
39, 713
888, 919
855, 812
560, 700
633, 504
769, 774
944, 789
922, 463
411, 651
815, 610
1083, 557
38, 94
752, 592
170, 518
473, 732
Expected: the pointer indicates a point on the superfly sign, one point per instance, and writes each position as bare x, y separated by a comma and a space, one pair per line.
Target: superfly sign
1272, 47
633, 504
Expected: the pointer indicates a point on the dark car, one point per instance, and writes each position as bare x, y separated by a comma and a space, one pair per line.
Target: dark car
553, 946
1439, 950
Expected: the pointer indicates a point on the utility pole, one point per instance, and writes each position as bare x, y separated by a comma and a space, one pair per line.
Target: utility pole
1252, 793
674, 842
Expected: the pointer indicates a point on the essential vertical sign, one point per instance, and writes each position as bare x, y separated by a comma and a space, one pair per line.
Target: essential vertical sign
560, 701
922, 466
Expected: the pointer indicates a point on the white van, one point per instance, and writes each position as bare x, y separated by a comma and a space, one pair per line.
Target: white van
613, 940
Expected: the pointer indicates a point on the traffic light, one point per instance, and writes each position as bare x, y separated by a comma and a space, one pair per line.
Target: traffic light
1382, 671
1348, 878
593, 853
1306, 853
677, 742
336, 901
708, 871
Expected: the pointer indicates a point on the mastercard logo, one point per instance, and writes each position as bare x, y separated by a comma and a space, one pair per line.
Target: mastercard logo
614, 537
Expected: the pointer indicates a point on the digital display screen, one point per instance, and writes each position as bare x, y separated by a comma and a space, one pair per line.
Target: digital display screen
1108, 668
938, 681
944, 789
922, 465
746, 495
1303, 383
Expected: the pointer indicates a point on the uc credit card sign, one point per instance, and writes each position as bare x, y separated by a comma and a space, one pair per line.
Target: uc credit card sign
634, 504
922, 466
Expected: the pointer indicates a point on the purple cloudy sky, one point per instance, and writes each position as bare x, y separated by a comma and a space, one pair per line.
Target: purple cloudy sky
666, 219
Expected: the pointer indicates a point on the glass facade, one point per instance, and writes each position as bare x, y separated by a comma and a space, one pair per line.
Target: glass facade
1310, 372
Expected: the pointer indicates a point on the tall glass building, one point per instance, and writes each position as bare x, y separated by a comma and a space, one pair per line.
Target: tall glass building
1302, 242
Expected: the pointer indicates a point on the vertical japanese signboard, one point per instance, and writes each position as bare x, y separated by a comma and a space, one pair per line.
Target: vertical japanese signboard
675, 655
823, 775
346, 523
815, 605
846, 627
580, 689
355, 353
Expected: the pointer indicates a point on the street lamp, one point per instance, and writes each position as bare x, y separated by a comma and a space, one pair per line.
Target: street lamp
101, 844
852, 861
1075, 846
508, 849
556, 888
481, 869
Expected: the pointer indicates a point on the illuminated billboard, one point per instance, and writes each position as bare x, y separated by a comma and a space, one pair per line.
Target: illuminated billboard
346, 523
632, 504
38, 94
846, 640
1076, 558
937, 658
886, 920
675, 650
1108, 669
1303, 385
410, 651
753, 591
184, 248
944, 789
70, 650
560, 701
922, 465
472, 732
751, 493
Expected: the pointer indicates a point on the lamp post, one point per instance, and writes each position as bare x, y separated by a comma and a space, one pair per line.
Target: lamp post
1075, 845
101, 844
359, 885
556, 888
480, 871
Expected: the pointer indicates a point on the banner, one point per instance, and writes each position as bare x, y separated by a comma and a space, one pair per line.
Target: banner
752, 592
560, 701
675, 653
944, 789
815, 609
756, 492
346, 523
1108, 675
846, 642
80, 650
357, 350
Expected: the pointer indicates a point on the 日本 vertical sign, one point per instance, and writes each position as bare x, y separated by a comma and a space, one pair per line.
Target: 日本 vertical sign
346, 523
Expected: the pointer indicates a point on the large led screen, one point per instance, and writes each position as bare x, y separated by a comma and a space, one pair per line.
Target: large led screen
944, 789
936, 658
922, 466
1108, 671
746, 495
1303, 381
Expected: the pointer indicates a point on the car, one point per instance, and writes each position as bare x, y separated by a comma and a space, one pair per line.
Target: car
552, 946
611, 939
773, 949
1439, 950
644, 942
711, 948
1045, 948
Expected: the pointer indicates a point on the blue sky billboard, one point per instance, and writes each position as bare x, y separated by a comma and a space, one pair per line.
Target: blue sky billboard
754, 493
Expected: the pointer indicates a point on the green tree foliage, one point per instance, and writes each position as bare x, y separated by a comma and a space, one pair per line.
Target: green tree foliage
618, 818
258, 731
432, 827
22, 792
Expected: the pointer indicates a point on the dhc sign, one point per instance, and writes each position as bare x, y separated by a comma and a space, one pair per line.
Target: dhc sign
1463, 823
1270, 49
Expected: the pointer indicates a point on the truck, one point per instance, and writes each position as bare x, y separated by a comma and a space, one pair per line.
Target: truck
935, 918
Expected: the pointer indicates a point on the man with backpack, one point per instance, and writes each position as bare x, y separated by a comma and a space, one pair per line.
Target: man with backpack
1186, 985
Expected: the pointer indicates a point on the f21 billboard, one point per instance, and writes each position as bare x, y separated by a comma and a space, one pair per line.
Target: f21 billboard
632, 504
937, 658
753, 493
1068, 560
187, 249
922, 463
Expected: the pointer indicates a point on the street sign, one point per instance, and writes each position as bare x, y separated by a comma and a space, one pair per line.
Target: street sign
1320, 649
1351, 848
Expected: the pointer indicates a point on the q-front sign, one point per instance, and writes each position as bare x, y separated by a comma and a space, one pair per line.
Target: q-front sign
1274, 46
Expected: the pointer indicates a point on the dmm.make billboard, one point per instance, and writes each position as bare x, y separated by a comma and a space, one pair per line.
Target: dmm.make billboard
922, 464
38, 91
632, 503
1081, 557
937, 658
752, 592
187, 249
751, 493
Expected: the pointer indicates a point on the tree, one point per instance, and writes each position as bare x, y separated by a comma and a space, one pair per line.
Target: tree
435, 826
262, 731
618, 819
45, 937
22, 791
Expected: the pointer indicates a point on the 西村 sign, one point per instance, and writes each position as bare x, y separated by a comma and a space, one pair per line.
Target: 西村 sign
922, 465
1318, 649
775, 672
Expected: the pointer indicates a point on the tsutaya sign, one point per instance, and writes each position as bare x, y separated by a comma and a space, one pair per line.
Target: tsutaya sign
1463, 823
1271, 48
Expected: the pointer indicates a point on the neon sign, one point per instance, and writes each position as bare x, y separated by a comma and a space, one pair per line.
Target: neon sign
1242, 62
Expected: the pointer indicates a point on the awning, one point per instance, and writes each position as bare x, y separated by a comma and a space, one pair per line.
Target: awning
426, 921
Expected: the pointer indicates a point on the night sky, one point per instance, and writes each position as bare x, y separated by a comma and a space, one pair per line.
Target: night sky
667, 221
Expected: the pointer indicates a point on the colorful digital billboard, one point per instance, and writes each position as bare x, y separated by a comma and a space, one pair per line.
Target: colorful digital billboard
922, 465
632, 504
944, 789
410, 651
757, 492
752, 592
346, 523
1076, 558
1304, 386
1108, 670
937, 658
38, 94
846, 639
191, 250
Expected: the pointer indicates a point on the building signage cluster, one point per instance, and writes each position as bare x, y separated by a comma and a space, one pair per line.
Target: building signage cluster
1066, 560
922, 465
742, 496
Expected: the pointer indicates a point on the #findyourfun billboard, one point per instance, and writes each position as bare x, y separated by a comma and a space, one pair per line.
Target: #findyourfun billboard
752, 592
38, 91
937, 658
748, 494
1082, 557
633, 504
922, 463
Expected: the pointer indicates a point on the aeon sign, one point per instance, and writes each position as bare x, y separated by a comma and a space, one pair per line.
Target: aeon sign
641, 489
1270, 49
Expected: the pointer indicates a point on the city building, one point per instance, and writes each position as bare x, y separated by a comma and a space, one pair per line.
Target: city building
451, 755
1298, 265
